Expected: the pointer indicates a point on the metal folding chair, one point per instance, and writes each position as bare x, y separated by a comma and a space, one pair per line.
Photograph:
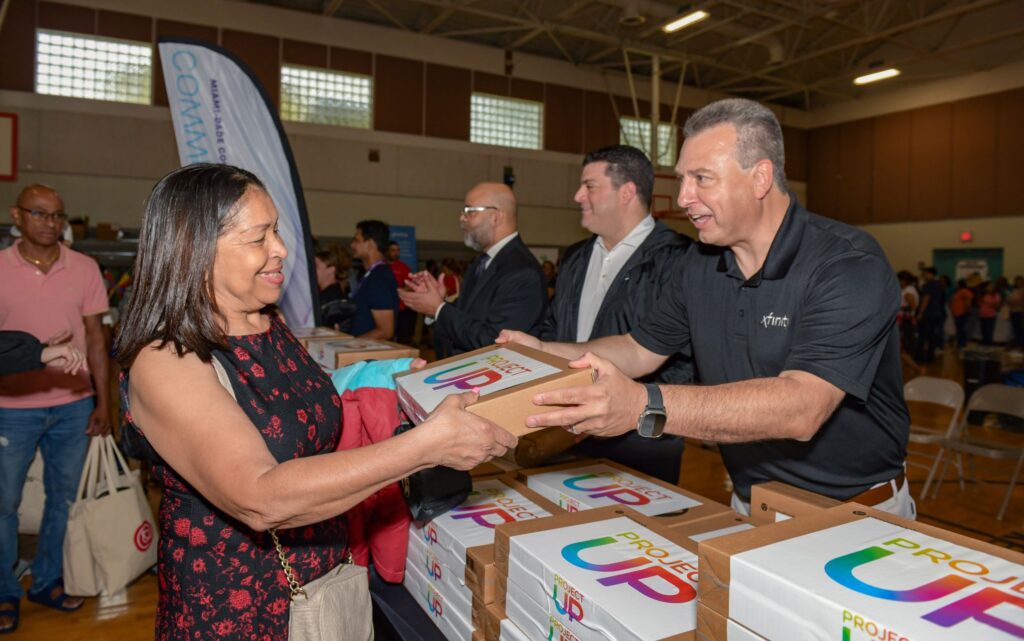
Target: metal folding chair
938, 391
974, 440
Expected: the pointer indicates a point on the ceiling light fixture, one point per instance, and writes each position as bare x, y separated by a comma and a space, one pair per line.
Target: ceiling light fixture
876, 76
685, 21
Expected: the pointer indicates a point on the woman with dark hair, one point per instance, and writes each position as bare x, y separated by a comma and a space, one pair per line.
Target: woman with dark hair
209, 261
332, 267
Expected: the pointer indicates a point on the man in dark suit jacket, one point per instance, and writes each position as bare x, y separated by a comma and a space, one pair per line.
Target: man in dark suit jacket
503, 288
609, 282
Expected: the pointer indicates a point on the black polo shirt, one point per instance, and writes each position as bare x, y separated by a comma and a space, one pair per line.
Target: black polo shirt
824, 302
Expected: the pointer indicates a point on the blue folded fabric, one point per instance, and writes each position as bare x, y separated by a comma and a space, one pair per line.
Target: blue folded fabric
369, 374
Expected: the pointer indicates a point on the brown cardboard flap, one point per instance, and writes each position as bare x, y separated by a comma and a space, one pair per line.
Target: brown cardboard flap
770, 499
711, 523
538, 446
711, 626
305, 335
401, 351
493, 467
715, 554
707, 508
493, 614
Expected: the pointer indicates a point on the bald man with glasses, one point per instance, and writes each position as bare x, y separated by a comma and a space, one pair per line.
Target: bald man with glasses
47, 290
503, 287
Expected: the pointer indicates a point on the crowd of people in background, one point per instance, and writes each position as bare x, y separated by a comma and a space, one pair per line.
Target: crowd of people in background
974, 304
339, 274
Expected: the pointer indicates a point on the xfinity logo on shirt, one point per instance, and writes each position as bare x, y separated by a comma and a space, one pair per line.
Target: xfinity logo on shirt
771, 320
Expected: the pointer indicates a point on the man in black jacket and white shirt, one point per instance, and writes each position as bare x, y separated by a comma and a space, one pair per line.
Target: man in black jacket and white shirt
608, 283
503, 287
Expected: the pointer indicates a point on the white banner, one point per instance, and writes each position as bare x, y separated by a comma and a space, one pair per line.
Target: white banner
222, 115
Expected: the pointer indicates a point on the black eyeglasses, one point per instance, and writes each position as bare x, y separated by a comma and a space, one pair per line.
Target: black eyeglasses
41, 216
469, 210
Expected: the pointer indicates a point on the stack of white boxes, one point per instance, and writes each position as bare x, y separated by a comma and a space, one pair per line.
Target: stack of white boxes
608, 574
851, 572
435, 571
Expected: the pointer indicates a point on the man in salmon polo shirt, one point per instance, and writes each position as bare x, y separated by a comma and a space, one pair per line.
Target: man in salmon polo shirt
55, 294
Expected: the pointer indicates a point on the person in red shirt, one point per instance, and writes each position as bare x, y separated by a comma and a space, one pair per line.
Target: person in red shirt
406, 320
960, 307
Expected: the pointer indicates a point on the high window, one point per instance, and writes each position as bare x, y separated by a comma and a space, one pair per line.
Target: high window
326, 97
509, 122
69, 64
637, 132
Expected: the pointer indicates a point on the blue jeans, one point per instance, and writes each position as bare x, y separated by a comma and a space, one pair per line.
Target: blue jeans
59, 433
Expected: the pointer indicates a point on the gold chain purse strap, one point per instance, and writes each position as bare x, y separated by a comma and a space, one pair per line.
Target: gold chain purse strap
293, 583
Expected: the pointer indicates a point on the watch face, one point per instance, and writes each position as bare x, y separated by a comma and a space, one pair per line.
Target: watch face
652, 424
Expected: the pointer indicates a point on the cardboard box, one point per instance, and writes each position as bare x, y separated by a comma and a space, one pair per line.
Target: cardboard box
609, 570
463, 538
709, 527
539, 446
491, 616
494, 467
306, 334
583, 485
852, 572
712, 626
436, 605
775, 501
508, 377
333, 353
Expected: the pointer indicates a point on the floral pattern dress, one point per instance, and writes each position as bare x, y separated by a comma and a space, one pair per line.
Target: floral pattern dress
218, 578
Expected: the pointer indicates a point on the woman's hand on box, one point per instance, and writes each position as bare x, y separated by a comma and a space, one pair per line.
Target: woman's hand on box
463, 440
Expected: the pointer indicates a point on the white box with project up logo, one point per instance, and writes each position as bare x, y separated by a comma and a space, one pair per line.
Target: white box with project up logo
611, 579
446, 579
494, 501
852, 572
507, 377
437, 605
584, 485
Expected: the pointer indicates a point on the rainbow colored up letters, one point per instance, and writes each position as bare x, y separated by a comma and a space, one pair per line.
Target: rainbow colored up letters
494, 369
965, 573
638, 572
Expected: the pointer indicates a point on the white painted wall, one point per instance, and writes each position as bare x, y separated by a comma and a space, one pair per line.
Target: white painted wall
104, 158
908, 243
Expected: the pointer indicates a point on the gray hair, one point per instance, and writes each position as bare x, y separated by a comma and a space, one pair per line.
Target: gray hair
758, 133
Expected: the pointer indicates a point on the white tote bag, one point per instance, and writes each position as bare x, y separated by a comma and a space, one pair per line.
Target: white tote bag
110, 525
33, 498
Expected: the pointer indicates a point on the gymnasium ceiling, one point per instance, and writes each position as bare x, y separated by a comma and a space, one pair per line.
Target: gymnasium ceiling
795, 53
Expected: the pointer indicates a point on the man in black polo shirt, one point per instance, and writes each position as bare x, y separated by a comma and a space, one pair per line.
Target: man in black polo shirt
790, 318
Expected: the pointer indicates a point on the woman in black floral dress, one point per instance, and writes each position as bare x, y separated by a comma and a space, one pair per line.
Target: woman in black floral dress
210, 259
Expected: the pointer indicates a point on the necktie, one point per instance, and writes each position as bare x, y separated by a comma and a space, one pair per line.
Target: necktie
481, 266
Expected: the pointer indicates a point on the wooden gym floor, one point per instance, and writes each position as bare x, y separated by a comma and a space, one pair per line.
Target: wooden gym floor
971, 512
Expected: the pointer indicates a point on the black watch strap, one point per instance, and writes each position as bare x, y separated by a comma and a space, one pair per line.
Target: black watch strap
651, 422
654, 399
